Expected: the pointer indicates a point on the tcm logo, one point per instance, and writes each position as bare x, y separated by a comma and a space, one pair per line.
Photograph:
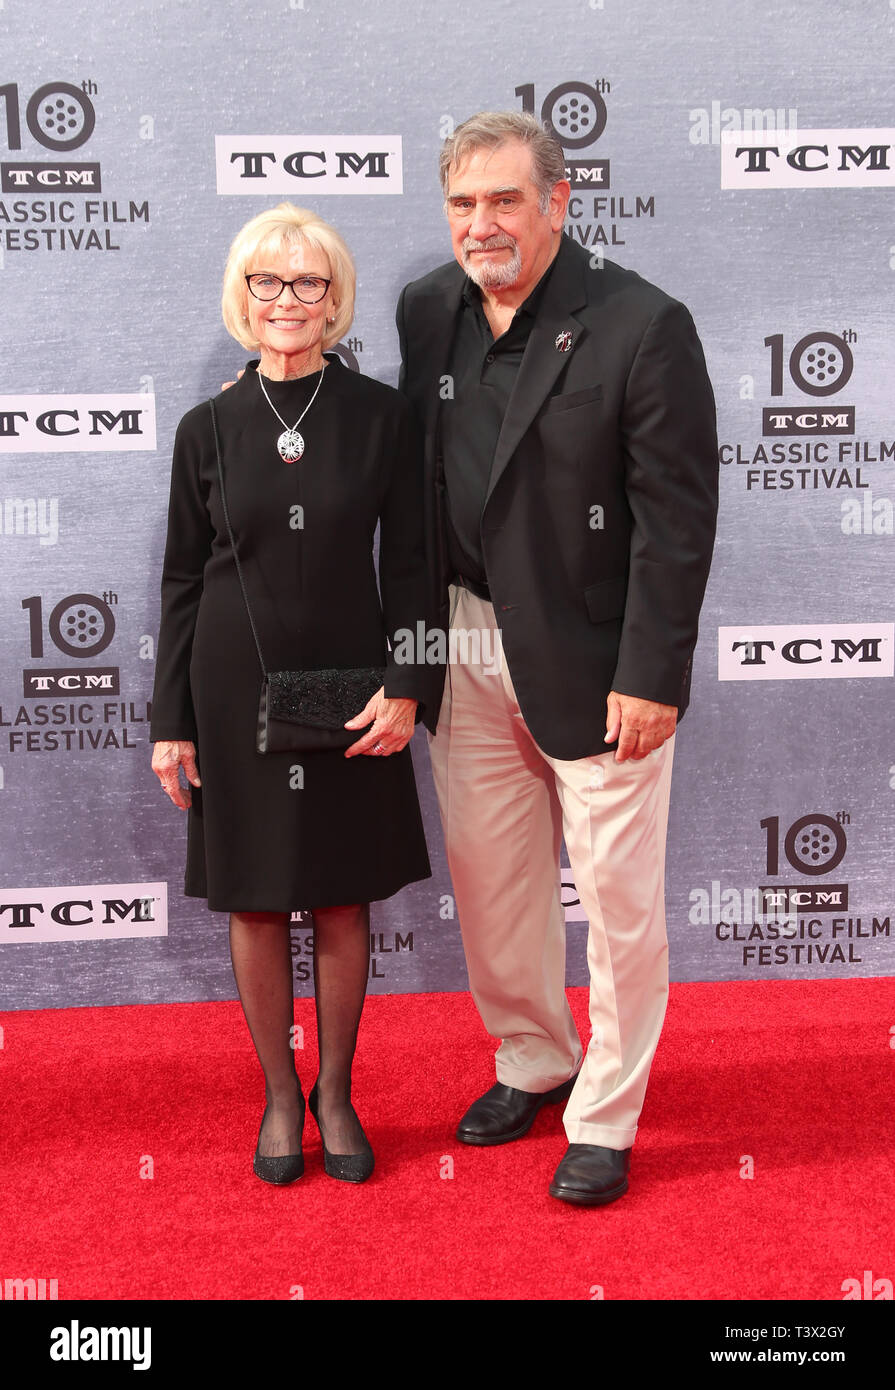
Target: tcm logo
814, 845
800, 421
819, 365
786, 902
101, 680
79, 625
314, 163
77, 424
575, 114
83, 913
60, 117
806, 652
809, 159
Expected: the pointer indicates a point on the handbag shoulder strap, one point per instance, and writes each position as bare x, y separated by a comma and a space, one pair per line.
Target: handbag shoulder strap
217, 446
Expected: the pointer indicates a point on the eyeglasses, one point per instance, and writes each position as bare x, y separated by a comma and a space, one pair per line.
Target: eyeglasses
308, 289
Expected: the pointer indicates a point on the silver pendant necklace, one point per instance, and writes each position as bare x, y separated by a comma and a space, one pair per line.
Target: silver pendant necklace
290, 444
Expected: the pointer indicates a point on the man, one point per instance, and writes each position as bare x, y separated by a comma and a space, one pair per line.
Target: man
572, 464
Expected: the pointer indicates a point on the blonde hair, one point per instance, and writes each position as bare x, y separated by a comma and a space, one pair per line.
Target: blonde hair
271, 231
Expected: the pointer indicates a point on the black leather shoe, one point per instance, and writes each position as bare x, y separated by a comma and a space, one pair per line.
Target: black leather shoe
279, 1168
355, 1167
505, 1113
591, 1176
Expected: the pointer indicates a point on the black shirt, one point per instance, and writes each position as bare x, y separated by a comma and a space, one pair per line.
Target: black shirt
483, 370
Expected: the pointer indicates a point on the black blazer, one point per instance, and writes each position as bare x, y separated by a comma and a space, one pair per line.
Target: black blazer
599, 521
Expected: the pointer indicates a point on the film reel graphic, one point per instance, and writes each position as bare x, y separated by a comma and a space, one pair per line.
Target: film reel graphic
821, 364
58, 115
81, 625
815, 844
574, 112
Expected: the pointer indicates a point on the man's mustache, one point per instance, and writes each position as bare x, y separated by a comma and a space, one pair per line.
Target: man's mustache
494, 243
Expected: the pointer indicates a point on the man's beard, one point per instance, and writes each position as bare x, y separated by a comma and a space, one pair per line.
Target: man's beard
491, 275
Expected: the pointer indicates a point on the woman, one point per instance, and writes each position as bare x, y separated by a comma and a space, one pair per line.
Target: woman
272, 833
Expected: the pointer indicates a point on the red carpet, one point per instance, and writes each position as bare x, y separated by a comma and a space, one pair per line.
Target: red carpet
797, 1076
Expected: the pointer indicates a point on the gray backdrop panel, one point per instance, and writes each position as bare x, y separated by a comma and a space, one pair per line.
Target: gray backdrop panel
132, 306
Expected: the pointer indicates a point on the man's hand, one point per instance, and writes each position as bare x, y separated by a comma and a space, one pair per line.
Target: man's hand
225, 385
639, 725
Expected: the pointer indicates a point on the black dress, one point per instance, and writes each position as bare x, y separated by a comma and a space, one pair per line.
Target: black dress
287, 831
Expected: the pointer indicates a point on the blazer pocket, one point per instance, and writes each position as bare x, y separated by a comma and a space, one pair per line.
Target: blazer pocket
606, 600
573, 398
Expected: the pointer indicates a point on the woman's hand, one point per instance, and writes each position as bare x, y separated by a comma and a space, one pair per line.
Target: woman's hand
393, 723
167, 760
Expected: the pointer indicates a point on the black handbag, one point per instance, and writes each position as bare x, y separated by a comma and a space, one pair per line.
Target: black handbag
302, 711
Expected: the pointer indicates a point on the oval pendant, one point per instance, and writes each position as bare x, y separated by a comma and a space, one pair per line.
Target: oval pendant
291, 446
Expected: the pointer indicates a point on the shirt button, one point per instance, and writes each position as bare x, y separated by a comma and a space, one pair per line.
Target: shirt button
490, 357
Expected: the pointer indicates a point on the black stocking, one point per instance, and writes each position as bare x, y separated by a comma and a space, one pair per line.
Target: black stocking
262, 964
341, 965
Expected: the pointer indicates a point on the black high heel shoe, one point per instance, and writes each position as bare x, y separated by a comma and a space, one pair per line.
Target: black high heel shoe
280, 1168
355, 1167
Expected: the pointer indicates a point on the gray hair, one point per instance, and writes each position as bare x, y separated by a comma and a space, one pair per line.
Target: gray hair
490, 129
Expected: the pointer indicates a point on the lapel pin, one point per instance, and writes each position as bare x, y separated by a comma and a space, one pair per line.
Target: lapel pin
563, 341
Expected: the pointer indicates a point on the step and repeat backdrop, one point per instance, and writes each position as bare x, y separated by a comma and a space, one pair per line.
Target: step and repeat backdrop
742, 157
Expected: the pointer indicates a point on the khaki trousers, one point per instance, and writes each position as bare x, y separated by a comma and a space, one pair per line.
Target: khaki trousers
505, 806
